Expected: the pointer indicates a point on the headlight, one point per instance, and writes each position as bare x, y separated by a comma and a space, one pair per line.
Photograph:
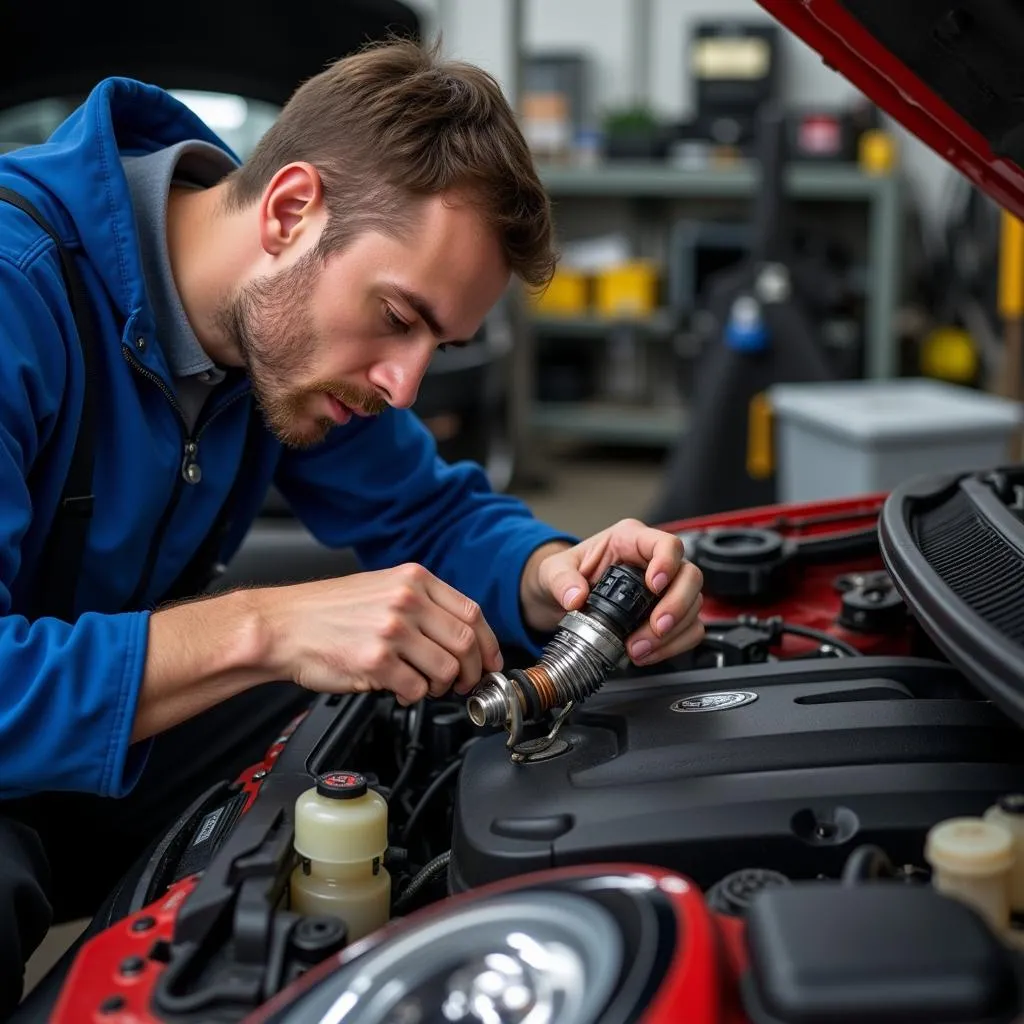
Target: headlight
590, 944
525, 958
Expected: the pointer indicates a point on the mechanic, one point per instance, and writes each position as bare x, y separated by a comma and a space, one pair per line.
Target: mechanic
248, 325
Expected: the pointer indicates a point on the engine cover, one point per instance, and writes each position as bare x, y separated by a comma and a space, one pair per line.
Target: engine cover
785, 766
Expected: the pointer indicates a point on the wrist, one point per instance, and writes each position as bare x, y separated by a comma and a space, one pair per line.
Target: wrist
540, 611
265, 633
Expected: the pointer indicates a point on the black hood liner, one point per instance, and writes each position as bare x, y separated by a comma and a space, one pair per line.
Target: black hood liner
259, 49
970, 53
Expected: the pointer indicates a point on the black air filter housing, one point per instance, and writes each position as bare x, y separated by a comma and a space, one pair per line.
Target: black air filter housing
954, 546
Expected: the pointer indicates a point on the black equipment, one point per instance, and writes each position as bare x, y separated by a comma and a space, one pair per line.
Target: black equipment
762, 330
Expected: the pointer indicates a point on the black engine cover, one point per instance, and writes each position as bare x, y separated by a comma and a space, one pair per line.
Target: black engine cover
826, 756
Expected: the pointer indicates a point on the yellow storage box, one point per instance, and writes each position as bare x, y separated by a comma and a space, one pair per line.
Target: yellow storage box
566, 295
629, 290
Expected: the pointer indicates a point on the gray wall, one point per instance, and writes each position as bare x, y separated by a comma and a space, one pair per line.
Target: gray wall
477, 30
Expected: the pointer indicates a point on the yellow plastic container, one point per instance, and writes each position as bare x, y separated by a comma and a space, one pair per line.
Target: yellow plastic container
566, 295
760, 438
876, 152
628, 290
972, 860
949, 353
341, 834
1009, 812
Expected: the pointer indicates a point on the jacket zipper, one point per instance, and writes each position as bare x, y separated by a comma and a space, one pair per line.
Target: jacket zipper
189, 471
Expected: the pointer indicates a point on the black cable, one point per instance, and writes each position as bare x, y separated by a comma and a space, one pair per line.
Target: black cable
432, 790
778, 626
866, 864
412, 750
422, 879
821, 637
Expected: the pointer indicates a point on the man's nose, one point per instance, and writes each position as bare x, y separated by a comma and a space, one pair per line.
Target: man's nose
400, 380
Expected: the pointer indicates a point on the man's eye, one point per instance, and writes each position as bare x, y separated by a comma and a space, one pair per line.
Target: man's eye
394, 321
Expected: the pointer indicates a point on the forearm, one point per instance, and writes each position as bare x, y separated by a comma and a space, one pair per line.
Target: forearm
199, 654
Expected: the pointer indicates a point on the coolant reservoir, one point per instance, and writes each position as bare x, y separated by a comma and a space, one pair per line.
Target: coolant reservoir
972, 860
341, 832
1009, 812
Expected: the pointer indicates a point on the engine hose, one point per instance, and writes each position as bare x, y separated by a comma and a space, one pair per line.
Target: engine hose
850, 545
777, 627
422, 879
412, 750
432, 790
866, 864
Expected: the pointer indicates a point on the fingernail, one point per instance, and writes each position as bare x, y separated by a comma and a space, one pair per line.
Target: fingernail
660, 582
641, 649
499, 662
571, 595
665, 623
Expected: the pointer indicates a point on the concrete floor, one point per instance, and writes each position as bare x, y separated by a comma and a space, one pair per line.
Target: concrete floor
582, 491
586, 490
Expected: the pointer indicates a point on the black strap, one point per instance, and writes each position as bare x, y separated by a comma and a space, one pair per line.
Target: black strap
60, 564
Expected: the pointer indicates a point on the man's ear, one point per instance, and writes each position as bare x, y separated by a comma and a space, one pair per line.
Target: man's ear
291, 207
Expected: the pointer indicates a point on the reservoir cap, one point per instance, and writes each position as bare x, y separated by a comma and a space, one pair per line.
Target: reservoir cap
341, 785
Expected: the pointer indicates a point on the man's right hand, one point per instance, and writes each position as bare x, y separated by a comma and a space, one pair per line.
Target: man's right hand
400, 629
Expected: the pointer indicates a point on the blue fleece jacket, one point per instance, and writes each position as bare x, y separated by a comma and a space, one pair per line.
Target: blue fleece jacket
68, 691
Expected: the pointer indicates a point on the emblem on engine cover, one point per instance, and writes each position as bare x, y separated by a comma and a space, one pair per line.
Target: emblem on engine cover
721, 701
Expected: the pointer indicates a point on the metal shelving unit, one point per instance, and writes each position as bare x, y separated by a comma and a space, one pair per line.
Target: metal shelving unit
659, 325
837, 183
622, 181
621, 178
609, 423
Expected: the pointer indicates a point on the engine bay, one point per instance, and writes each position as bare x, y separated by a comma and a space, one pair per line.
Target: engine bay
801, 742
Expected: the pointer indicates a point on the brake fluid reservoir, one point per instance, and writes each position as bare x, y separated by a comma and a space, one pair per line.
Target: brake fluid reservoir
1009, 812
341, 834
972, 860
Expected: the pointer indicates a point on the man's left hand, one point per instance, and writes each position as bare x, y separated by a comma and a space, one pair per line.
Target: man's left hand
557, 578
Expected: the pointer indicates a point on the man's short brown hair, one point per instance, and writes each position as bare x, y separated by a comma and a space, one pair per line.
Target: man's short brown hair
394, 123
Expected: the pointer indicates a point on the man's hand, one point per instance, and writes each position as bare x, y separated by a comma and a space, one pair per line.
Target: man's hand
399, 629
557, 579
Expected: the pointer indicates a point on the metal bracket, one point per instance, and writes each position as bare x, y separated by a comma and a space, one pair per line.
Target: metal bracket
529, 749
513, 709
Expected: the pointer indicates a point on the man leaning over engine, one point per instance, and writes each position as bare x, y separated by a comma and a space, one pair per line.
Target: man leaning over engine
254, 324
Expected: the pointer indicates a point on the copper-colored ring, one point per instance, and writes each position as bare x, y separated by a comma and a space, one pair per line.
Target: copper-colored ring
542, 683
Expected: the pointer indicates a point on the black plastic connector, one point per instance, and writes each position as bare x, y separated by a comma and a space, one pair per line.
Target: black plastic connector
621, 600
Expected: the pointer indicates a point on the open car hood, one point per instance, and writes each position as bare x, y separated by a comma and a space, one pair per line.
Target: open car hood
254, 48
951, 73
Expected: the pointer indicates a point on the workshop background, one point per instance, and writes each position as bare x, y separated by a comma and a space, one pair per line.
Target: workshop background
763, 279
686, 144
768, 292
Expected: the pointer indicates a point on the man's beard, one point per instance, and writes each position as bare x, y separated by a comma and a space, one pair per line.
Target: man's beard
270, 323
